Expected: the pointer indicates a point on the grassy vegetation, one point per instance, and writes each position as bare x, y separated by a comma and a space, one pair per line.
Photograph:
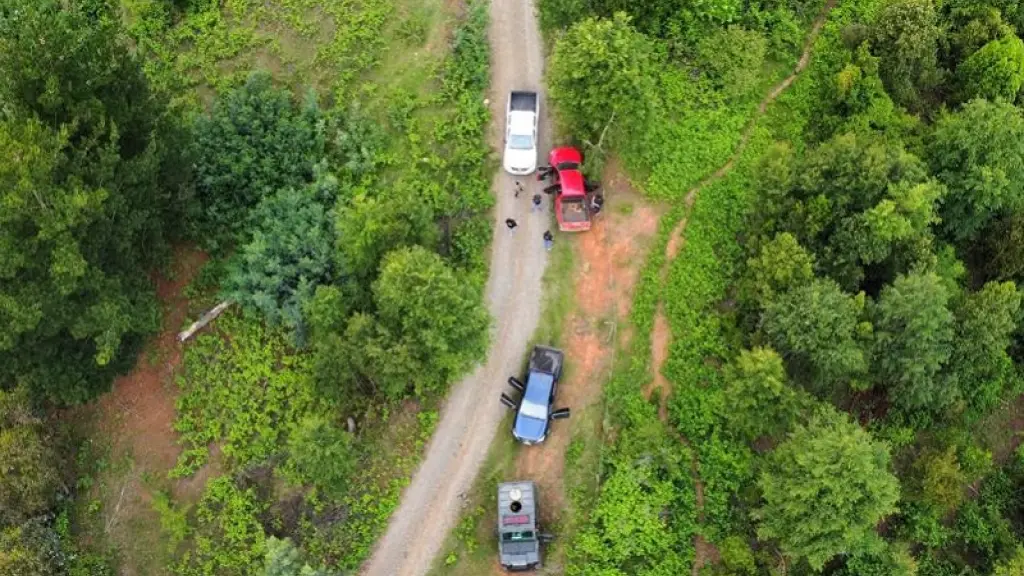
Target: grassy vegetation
417, 72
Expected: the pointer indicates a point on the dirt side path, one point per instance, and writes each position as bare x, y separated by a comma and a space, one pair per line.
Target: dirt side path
609, 259
432, 502
137, 417
661, 334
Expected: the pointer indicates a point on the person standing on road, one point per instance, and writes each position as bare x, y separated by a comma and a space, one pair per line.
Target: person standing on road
536, 203
511, 223
519, 188
549, 240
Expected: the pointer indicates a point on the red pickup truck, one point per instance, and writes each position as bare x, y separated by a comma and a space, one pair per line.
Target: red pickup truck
574, 202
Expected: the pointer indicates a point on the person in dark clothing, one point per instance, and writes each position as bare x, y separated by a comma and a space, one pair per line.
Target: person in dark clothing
511, 223
544, 171
549, 240
519, 188
553, 189
596, 203
536, 203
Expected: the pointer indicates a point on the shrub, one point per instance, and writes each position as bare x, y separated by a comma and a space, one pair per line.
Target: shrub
320, 454
254, 142
290, 253
229, 539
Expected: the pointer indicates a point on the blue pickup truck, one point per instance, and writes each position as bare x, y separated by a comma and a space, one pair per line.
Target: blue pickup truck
534, 411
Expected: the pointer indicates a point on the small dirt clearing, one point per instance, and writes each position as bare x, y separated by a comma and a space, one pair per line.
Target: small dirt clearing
136, 417
609, 258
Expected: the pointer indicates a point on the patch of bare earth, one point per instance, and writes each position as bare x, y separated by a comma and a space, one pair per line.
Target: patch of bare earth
661, 334
610, 256
137, 416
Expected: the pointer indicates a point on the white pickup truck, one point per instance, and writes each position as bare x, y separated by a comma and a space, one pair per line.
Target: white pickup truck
521, 133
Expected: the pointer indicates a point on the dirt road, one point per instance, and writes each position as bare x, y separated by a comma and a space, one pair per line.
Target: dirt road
431, 503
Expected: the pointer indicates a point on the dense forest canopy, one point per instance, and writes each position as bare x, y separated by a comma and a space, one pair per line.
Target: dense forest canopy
845, 311
89, 203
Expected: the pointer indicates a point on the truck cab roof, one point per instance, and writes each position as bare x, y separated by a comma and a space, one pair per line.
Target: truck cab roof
518, 541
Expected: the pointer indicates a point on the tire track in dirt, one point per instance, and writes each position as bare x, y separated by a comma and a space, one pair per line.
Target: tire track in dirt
432, 502
661, 334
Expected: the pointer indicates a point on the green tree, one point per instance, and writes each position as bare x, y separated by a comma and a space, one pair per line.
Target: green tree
859, 102
429, 326
905, 37
1000, 248
994, 72
290, 253
859, 199
782, 264
255, 142
893, 559
600, 68
368, 227
913, 341
825, 488
817, 328
759, 402
971, 26
283, 559
321, 454
985, 322
85, 205
978, 153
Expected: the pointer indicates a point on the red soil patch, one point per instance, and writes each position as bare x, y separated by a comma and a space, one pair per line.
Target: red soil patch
611, 255
139, 411
137, 418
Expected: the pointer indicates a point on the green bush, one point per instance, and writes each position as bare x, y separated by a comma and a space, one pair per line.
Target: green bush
254, 142
290, 253
228, 538
245, 390
31, 549
321, 454
29, 479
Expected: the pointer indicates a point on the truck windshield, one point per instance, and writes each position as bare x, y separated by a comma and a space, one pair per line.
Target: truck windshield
520, 142
517, 536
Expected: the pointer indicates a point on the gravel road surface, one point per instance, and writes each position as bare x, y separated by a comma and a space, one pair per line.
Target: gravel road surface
432, 502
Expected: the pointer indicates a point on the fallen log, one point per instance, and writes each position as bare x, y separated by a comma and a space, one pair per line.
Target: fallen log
204, 320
